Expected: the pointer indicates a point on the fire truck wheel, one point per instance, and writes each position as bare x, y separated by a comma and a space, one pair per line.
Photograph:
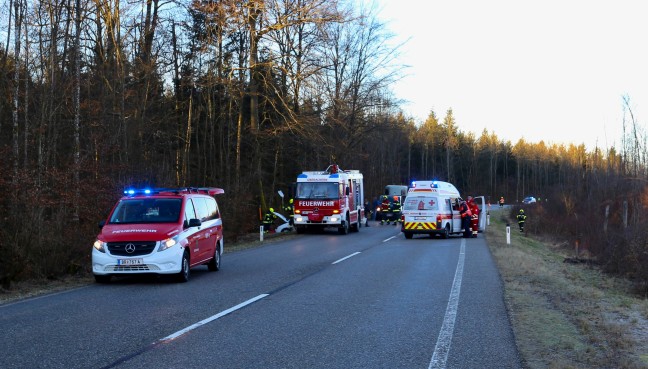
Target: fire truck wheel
183, 276
344, 228
214, 264
300, 230
446, 231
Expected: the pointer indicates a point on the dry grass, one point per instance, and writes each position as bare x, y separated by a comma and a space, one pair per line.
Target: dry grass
567, 315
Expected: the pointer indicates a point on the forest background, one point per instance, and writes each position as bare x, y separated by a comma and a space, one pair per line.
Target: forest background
98, 95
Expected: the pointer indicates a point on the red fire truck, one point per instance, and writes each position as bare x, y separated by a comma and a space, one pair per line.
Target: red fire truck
330, 198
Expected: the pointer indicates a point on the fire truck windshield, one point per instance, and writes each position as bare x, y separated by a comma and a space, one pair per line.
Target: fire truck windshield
317, 190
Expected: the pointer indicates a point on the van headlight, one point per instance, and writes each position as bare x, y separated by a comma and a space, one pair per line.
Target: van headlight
168, 243
99, 246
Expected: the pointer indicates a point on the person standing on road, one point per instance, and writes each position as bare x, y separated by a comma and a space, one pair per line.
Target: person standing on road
290, 212
396, 210
384, 210
268, 220
474, 218
367, 212
466, 216
521, 218
501, 201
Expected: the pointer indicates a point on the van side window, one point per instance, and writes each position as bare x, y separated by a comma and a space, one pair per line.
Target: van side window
212, 208
455, 204
190, 212
202, 212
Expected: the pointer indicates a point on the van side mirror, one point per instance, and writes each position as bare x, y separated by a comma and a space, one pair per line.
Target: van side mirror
194, 222
102, 223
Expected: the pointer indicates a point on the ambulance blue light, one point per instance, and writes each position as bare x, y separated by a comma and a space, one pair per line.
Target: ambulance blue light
413, 184
129, 192
302, 176
334, 175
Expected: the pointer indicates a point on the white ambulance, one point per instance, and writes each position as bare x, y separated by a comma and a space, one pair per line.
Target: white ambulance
431, 207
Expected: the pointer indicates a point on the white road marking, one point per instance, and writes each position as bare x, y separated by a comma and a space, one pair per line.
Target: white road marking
346, 257
212, 318
442, 348
390, 238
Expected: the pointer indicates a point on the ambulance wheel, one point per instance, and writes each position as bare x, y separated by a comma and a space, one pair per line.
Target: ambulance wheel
408, 235
344, 228
446, 231
183, 276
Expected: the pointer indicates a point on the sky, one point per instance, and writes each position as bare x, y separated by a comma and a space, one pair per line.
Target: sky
552, 70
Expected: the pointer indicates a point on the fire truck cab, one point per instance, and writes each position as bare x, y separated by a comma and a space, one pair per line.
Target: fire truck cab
431, 207
330, 198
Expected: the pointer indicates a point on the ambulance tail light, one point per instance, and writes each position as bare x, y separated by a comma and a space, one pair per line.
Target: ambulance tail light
439, 218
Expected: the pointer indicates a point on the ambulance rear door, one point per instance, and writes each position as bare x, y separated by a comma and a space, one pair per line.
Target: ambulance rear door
483, 212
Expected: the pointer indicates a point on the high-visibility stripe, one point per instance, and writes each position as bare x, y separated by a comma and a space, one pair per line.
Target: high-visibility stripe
427, 226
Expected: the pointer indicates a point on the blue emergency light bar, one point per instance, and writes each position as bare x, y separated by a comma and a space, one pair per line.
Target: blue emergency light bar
133, 191
435, 184
149, 191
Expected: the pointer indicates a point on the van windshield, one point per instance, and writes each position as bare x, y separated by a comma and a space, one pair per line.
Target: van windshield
146, 211
419, 202
317, 190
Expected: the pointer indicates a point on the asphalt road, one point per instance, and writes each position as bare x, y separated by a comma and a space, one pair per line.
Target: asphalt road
365, 300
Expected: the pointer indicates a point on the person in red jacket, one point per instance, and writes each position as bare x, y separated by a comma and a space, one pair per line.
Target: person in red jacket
466, 216
474, 221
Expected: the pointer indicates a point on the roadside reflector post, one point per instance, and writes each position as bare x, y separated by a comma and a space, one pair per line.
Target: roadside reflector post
488, 218
261, 233
508, 234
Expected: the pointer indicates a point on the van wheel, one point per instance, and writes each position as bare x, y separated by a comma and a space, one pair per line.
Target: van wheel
214, 264
446, 231
408, 235
102, 278
183, 276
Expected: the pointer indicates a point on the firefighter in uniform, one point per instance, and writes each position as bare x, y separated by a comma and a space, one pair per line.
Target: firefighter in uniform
521, 218
396, 210
268, 220
474, 221
290, 211
384, 210
466, 216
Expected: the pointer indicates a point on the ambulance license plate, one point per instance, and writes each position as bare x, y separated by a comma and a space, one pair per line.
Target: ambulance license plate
420, 218
137, 261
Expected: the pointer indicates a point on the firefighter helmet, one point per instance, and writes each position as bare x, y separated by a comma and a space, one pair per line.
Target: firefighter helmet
271, 210
521, 211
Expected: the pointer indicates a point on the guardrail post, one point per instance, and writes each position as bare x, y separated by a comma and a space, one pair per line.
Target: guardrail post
508, 234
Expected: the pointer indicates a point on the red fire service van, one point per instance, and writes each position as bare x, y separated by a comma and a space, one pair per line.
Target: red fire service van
332, 198
160, 231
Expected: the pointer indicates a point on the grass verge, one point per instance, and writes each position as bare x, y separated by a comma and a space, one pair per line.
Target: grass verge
566, 315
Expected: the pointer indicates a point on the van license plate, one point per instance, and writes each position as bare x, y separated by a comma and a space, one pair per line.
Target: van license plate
420, 218
137, 261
